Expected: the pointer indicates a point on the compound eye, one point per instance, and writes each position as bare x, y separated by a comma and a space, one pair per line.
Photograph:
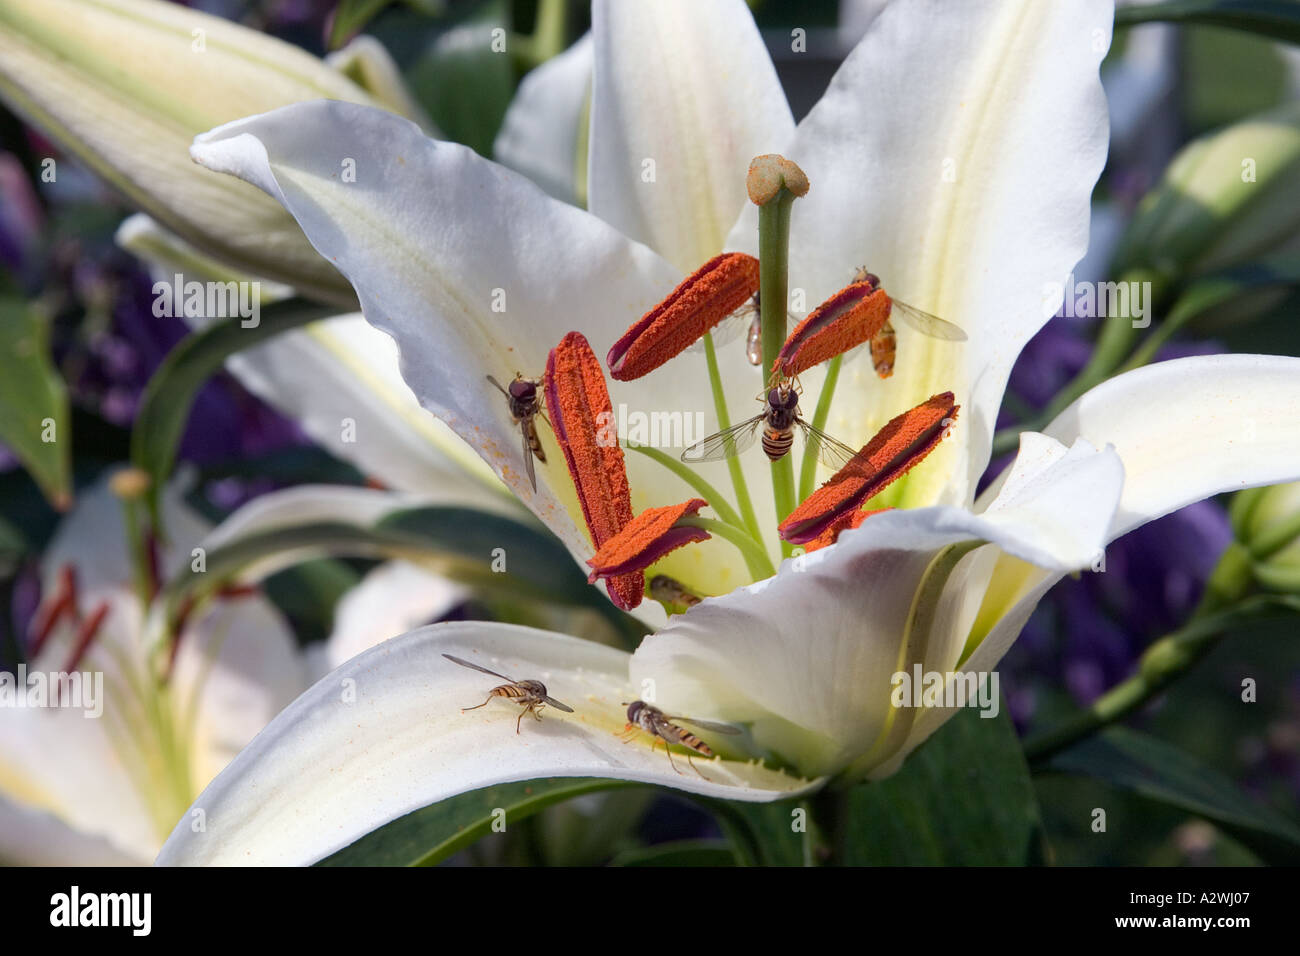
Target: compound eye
522, 390
791, 399
774, 398
873, 279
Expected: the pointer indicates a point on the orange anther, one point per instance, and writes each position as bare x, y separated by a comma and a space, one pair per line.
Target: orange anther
583, 420
896, 449
702, 300
647, 538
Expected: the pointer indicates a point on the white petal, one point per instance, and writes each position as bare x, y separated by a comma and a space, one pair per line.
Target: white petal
1192, 428
433, 237
688, 87
394, 598
339, 378
1185, 430
542, 133
30, 837
954, 155
808, 656
331, 768
236, 668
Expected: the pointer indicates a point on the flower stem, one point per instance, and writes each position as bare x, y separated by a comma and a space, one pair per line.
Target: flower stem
774, 288
1224, 605
709, 492
828, 813
724, 422
808, 470
760, 564
758, 568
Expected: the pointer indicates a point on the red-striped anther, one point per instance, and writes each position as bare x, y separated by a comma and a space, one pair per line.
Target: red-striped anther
844, 321
647, 538
582, 417
896, 449
703, 299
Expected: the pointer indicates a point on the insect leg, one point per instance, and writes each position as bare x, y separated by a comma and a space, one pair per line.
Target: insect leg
668, 750
477, 706
690, 761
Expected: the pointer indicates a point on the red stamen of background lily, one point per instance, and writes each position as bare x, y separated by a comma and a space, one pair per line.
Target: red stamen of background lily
647, 538
895, 450
582, 418
702, 300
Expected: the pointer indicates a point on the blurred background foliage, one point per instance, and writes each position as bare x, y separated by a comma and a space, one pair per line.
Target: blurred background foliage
75, 309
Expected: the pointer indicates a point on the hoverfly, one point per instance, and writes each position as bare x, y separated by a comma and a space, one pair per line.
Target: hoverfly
748, 317
884, 344
779, 419
668, 590
525, 404
642, 716
528, 694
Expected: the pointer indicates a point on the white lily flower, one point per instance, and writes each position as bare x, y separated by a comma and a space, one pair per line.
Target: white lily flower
103, 779
964, 183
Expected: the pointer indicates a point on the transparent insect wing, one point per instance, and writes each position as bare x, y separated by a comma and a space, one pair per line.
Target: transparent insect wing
831, 452
498, 388
528, 456
728, 442
557, 704
925, 323
710, 726
754, 340
729, 329
477, 667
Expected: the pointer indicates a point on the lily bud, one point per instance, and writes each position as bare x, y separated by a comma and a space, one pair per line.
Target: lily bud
1225, 199
1266, 522
126, 85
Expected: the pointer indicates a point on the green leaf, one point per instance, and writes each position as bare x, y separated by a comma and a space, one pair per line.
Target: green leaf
964, 798
308, 593
1152, 768
433, 833
1229, 296
352, 16
464, 77
458, 543
528, 555
1275, 19
33, 402
679, 853
761, 834
167, 399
